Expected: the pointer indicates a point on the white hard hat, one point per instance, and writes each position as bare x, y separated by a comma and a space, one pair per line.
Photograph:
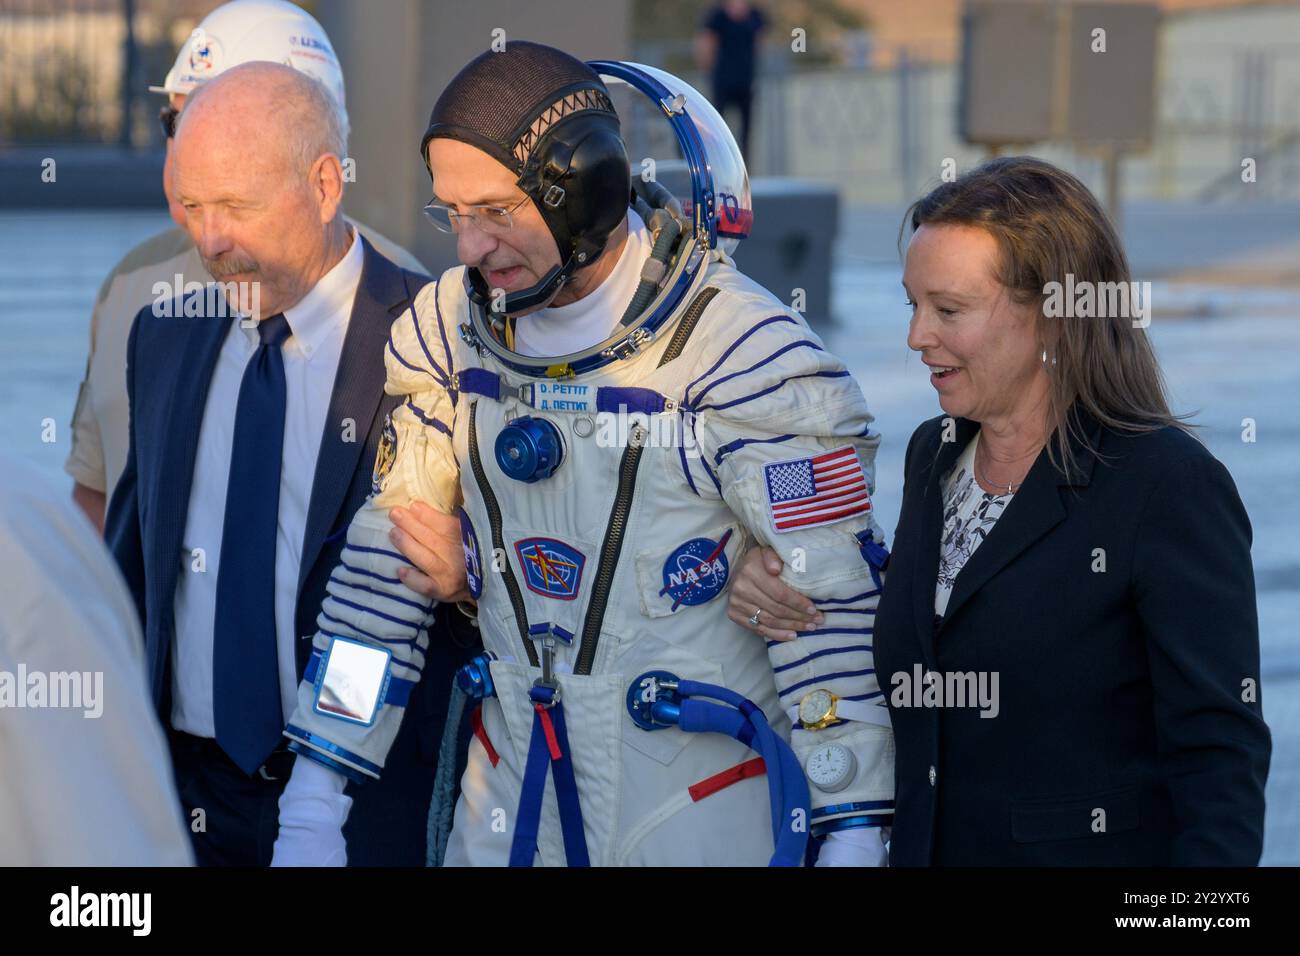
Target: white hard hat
244, 31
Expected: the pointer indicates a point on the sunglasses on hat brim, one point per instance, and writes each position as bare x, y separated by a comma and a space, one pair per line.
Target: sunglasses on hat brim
167, 117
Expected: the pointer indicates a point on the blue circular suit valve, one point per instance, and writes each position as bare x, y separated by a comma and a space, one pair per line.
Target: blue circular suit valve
651, 706
475, 678
529, 449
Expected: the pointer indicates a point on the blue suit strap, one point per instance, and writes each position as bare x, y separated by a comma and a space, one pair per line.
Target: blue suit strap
874, 553
613, 399
529, 815
543, 628
479, 381
523, 847
566, 794
632, 400
398, 691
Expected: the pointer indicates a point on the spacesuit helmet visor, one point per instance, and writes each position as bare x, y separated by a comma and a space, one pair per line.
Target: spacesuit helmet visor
703, 168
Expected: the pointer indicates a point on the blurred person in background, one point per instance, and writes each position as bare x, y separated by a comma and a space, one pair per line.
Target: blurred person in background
241, 31
727, 49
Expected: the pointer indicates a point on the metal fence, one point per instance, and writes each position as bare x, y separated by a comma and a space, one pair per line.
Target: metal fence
75, 71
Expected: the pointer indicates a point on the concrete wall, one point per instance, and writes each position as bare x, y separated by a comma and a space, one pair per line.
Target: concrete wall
398, 56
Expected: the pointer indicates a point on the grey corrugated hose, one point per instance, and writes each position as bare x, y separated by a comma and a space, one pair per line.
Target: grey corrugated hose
444, 782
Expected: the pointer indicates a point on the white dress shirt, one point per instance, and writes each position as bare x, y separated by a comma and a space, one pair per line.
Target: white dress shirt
318, 325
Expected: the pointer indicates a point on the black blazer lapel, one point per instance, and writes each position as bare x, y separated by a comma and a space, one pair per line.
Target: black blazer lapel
382, 294
931, 468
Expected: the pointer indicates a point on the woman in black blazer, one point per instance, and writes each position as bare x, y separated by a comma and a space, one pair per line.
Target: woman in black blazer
1067, 635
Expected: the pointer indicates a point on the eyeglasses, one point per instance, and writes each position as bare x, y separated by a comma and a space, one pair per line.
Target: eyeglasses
167, 119
492, 220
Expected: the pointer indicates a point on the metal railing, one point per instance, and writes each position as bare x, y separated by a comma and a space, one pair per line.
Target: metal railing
76, 71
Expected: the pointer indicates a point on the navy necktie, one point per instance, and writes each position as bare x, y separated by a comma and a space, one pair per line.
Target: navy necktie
245, 671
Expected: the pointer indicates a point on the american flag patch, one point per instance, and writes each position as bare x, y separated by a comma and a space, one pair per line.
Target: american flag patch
807, 492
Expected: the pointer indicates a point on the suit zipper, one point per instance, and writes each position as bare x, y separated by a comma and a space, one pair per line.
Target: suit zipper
618, 515
498, 542
610, 551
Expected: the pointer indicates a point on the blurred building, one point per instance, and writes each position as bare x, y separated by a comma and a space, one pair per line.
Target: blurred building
931, 29
868, 105
1228, 87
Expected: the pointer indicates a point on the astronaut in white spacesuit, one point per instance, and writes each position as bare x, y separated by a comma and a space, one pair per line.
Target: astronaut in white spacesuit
616, 414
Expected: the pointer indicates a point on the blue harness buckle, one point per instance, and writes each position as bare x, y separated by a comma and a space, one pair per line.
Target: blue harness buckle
546, 694
548, 751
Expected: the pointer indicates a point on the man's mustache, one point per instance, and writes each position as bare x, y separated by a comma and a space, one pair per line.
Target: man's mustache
228, 266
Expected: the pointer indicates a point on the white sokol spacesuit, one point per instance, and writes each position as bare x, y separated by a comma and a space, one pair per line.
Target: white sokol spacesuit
605, 498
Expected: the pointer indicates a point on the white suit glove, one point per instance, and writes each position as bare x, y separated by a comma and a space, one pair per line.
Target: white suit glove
313, 809
864, 846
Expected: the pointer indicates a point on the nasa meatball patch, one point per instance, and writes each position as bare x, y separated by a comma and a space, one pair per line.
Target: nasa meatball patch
696, 571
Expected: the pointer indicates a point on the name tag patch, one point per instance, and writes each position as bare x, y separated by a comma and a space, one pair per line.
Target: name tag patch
558, 396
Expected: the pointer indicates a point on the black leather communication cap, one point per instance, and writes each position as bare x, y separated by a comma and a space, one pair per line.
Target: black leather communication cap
546, 116
504, 102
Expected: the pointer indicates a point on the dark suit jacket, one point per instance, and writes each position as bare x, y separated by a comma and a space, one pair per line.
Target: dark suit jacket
169, 369
1120, 691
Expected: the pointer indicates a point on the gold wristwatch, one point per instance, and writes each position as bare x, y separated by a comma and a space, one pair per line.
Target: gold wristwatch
817, 709
820, 708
